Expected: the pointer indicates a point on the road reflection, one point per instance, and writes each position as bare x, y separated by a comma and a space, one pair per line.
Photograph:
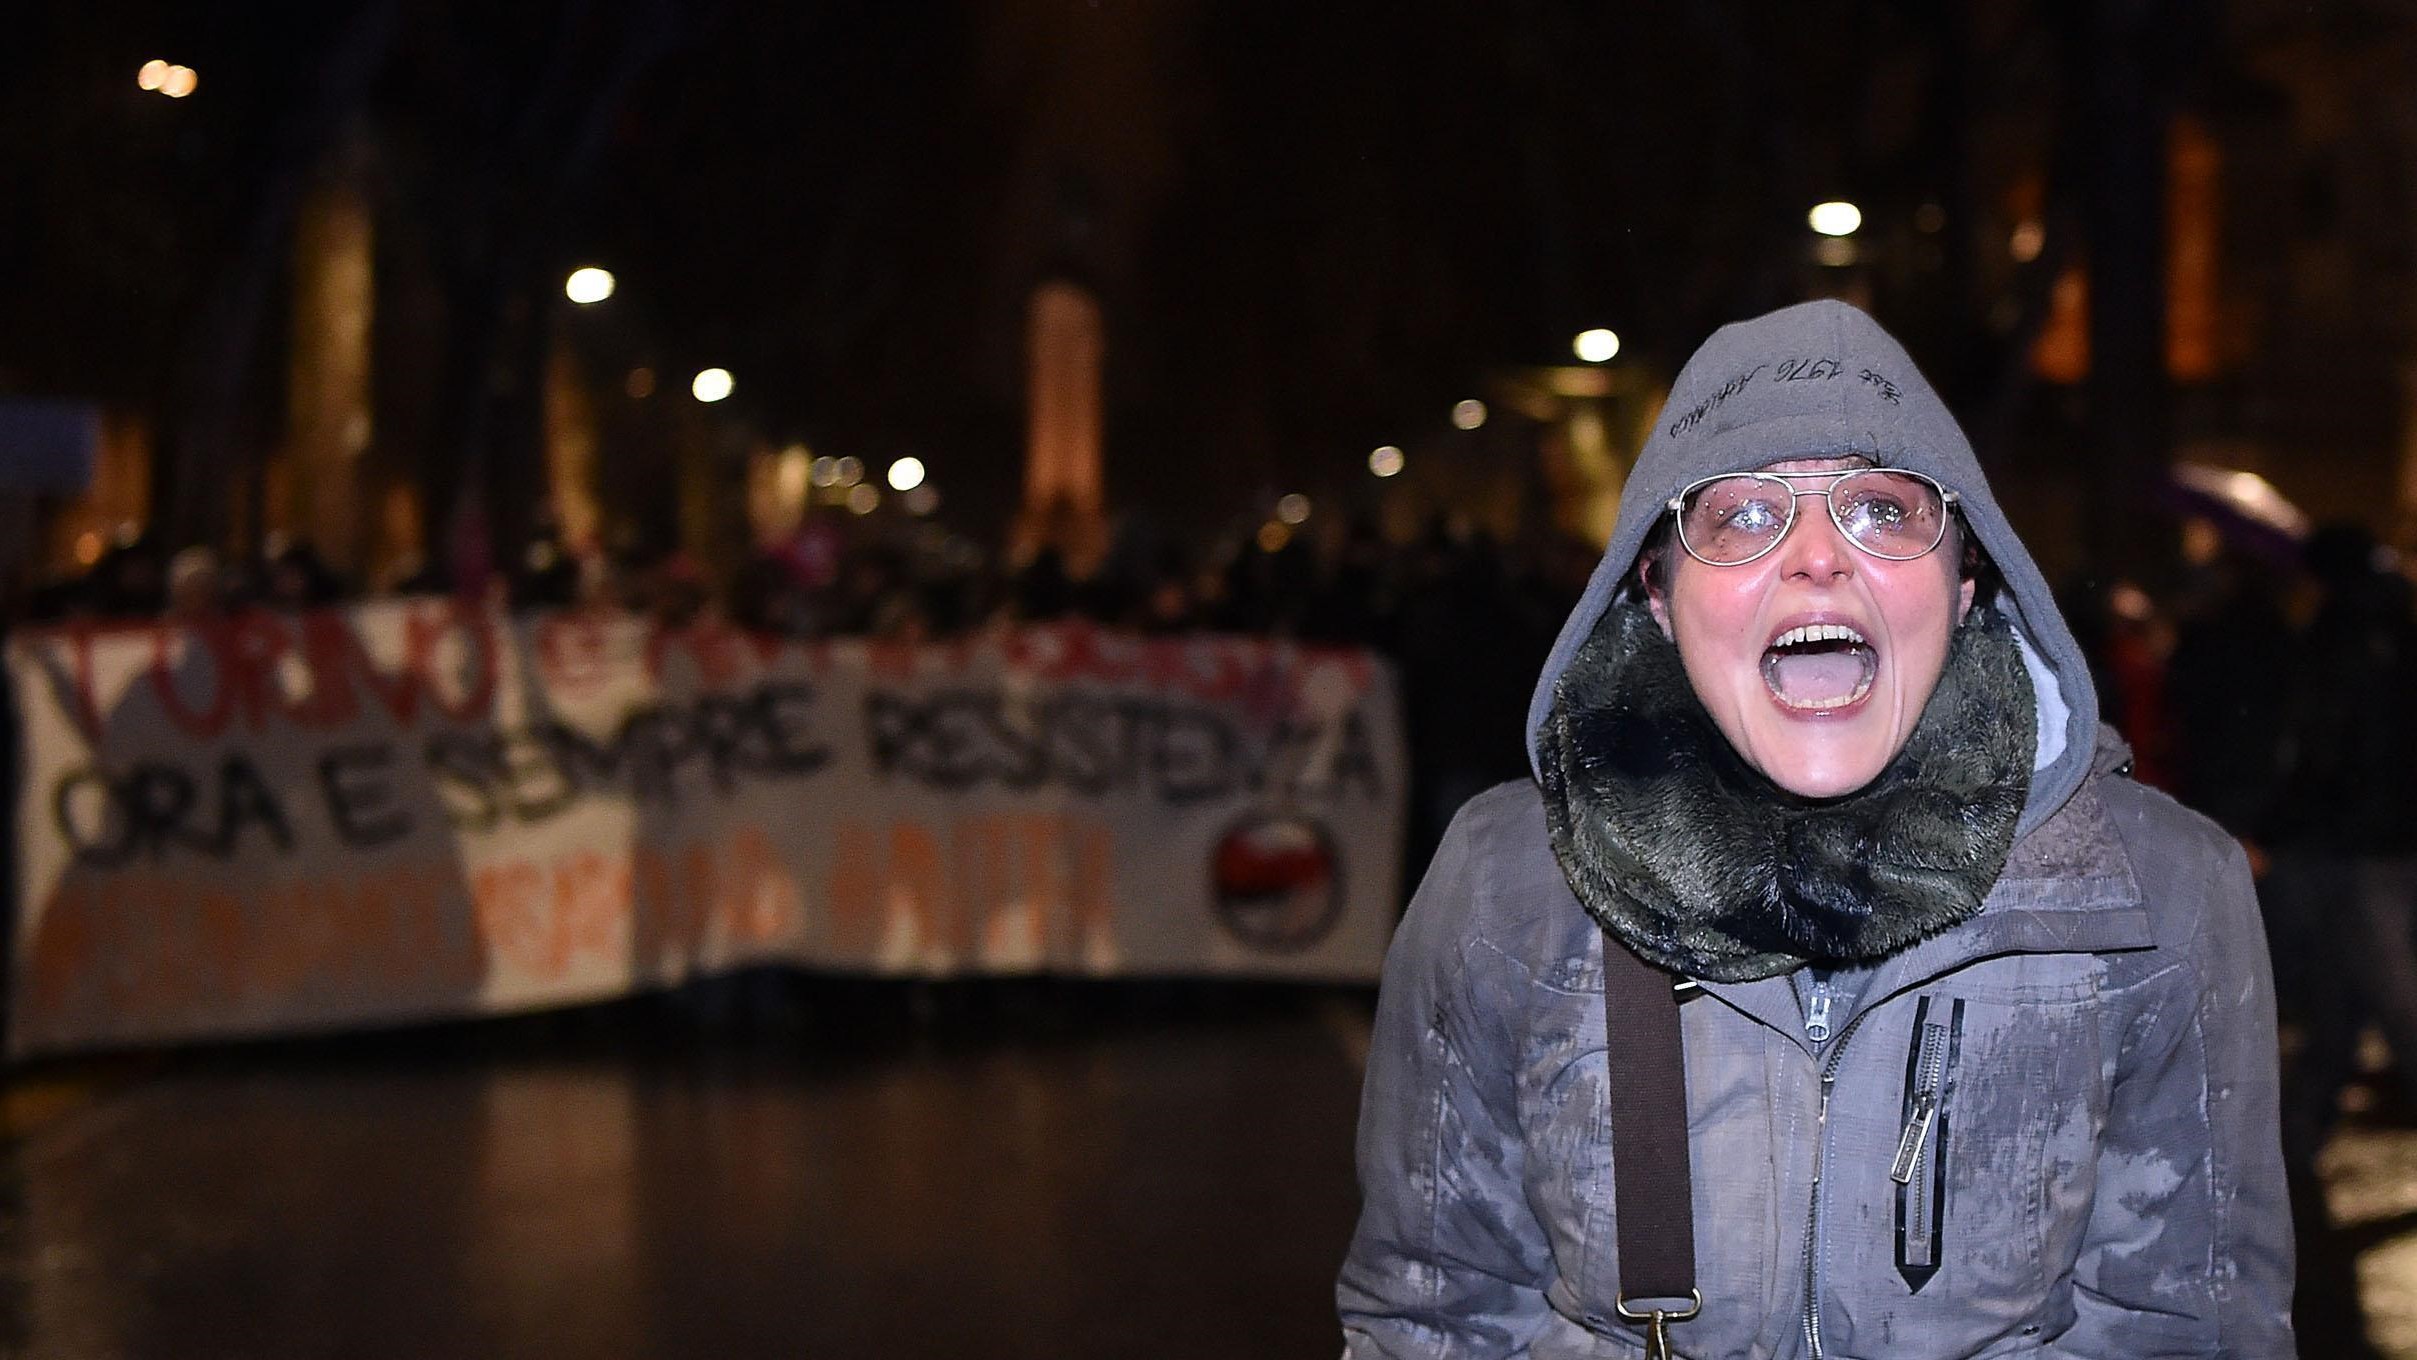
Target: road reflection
1039, 1179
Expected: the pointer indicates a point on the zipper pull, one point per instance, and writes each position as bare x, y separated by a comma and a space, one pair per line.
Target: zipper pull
1817, 1017
1917, 1132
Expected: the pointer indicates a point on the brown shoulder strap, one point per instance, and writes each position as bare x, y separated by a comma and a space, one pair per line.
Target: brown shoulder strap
1647, 1093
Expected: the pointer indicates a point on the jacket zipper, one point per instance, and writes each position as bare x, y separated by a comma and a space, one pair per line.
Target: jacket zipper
1919, 1167
1821, 1139
1932, 1065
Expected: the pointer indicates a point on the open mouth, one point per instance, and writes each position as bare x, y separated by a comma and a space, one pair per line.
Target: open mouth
1818, 667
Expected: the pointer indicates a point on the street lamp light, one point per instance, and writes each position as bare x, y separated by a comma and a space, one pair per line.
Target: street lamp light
1596, 346
1386, 461
711, 385
1836, 218
588, 284
906, 474
161, 77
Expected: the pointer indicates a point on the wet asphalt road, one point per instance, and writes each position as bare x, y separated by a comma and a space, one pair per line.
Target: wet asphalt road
1036, 1172
768, 1169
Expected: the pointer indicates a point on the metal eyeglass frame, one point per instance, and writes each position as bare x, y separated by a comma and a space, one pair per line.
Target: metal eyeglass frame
1677, 506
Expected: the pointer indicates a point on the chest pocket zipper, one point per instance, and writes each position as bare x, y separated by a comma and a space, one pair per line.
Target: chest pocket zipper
1920, 1165
1916, 1138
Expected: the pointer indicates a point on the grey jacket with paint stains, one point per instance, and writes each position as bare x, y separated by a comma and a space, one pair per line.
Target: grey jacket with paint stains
2048, 1131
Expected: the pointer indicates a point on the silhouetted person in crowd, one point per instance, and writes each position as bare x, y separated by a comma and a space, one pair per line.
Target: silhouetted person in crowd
2127, 643
1245, 602
1159, 601
681, 596
196, 589
1355, 606
1468, 659
131, 580
1115, 592
298, 579
2231, 657
2341, 896
1044, 591
764, 598
546, 575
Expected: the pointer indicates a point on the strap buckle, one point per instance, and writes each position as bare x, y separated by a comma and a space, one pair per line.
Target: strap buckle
1657, 1322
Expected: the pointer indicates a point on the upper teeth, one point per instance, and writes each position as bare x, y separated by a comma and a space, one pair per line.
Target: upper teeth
1817, 632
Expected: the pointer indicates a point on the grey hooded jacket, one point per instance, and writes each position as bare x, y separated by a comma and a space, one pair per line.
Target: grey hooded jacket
2047, 1131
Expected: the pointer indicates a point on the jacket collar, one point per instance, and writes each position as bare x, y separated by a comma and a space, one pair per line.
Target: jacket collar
2068, 888
1705, 868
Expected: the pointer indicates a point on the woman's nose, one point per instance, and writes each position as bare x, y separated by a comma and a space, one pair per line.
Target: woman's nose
1814, 548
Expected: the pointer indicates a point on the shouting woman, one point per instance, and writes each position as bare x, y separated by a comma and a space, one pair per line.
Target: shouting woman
1977, 1033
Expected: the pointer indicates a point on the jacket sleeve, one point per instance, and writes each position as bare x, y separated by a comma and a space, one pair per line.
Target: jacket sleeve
2189, 1250
1448, 1259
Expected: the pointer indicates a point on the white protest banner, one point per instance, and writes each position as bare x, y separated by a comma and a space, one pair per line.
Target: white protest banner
417, 808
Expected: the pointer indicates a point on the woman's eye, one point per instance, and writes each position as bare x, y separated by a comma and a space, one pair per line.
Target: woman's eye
1878, 513
1753, 516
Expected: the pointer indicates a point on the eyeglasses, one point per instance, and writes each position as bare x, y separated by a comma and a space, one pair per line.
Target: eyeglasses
1730, 520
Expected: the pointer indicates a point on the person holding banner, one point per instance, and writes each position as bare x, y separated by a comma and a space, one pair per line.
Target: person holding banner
1976, 1032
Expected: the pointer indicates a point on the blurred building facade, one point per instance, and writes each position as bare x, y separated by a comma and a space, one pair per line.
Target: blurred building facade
2116, 233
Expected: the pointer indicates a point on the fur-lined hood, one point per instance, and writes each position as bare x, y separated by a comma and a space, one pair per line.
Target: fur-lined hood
1821, 379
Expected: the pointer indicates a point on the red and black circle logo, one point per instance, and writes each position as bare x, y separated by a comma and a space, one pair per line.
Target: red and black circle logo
1277, 883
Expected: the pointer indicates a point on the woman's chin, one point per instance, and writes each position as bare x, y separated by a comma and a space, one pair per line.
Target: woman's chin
1819, 769
1825, 752
1823, 786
